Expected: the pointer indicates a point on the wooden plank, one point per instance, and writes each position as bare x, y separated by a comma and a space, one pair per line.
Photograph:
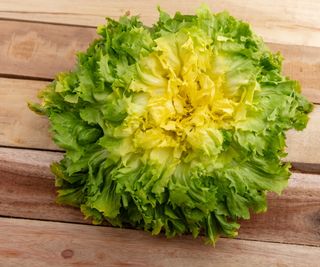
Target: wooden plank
40, 50
37, 243
18, 126
301, 63
291, 217
289, 21
22, 128
27, 186
304, 146
27, 191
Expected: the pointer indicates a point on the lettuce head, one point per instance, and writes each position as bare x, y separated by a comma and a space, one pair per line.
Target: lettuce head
175, 128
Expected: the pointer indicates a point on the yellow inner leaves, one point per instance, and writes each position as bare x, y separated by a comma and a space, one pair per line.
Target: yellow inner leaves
182, 98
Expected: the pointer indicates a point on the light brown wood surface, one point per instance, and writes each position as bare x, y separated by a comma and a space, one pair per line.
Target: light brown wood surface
40, 50
18, 126
39, 39
57, 244
304, 146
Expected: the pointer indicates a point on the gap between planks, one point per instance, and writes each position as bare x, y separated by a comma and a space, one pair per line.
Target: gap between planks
27, 190
56, 244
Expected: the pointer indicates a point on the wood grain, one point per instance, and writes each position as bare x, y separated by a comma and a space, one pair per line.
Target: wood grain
286, 22
291, 217
18, 125
40, 50
27, 191
43, 50
27, 186
301, 63
304, 146
61, 244
22, 128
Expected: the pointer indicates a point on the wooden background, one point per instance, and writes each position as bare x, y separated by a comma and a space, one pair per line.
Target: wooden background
38, 39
